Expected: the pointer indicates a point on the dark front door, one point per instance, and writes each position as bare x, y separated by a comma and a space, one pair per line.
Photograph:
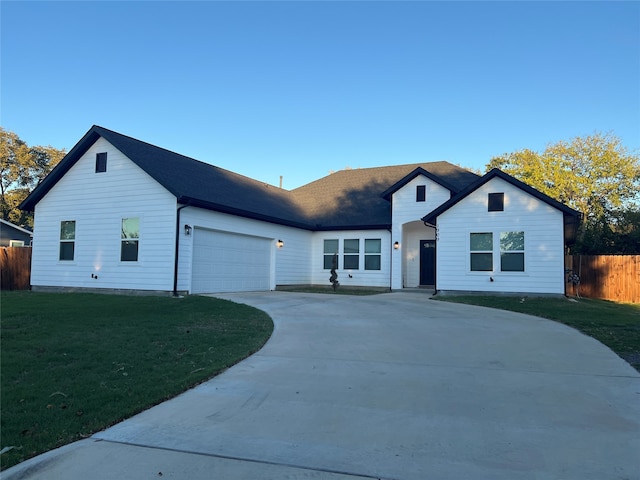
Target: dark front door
427, 262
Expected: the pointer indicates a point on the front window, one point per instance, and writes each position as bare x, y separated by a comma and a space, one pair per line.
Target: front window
481, 248
130, 235
421, 193
372, 250
67, 240
512, 251
352, 254
330, 249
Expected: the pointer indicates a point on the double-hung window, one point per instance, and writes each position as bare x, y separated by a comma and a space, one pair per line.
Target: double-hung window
372, 250
481, 251
129, 239
351, 254
330, 249
512, 251
67, 240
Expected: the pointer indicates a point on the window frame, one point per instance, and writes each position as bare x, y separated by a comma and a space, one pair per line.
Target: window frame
350, 255
370, 255
421, 193
101, 162
328, 256
479, 251
124, 240
495, 202
504, 252
64, 242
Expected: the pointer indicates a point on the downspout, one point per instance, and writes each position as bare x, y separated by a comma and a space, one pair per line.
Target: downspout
175, 265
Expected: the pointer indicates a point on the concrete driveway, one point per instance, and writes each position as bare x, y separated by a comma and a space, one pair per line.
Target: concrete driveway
393, 386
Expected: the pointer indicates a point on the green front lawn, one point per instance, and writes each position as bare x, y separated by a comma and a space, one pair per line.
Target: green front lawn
74, 364
617, 325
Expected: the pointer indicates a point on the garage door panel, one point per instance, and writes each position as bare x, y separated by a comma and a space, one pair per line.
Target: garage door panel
228, 262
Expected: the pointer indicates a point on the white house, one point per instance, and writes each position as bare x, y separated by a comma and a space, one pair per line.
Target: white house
120, 214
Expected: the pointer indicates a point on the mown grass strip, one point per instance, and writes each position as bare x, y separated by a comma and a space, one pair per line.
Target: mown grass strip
74, 364
617, 325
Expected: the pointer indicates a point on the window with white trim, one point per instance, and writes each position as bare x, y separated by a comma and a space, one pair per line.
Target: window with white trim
330, 249
67, 240
351, 254
372, 251
129, 239
481, 252
512, 251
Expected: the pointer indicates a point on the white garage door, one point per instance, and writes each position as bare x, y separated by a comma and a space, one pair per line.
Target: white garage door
227, 262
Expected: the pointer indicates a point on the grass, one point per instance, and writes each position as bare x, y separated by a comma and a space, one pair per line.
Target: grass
617, 325
74, 364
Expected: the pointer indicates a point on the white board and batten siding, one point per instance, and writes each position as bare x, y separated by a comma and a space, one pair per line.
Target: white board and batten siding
543, 236
228, 253
408, 229
98, 202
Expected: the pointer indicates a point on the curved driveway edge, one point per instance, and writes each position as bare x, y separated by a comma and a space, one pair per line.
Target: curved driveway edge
391, 386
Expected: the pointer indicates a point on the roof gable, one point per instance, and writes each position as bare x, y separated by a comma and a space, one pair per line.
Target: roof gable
450, 177
355, 198
348, 199
571, 217
189, 180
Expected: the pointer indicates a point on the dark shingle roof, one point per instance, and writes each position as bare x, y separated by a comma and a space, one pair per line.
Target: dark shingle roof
191, 181
346, 199
359, 198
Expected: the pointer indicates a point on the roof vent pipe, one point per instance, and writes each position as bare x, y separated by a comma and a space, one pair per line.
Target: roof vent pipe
280, 181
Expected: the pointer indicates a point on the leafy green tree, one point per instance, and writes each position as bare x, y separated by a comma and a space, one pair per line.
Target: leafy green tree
22, 168
595, 175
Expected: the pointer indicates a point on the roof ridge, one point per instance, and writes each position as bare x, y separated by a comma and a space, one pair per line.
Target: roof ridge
202, 162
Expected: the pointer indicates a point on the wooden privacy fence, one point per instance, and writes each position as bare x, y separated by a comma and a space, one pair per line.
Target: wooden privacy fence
609, 277
15, 268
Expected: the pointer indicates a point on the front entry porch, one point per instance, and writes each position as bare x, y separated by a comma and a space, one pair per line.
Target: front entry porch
418, 262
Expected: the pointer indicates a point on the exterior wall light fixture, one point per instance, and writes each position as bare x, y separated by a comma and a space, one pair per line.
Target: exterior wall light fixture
396, 245
187, 229
280, 244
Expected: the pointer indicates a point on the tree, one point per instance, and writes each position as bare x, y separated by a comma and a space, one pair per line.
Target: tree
595, 175
22, 168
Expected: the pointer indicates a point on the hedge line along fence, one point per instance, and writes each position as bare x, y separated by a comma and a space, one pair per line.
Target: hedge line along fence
608, 277
15, 268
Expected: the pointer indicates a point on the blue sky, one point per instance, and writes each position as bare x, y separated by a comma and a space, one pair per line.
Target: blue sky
303, 88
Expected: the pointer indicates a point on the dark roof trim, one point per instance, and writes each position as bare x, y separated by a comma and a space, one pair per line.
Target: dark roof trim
194, 202
69, 160
418, 171
329, 228
431, 217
